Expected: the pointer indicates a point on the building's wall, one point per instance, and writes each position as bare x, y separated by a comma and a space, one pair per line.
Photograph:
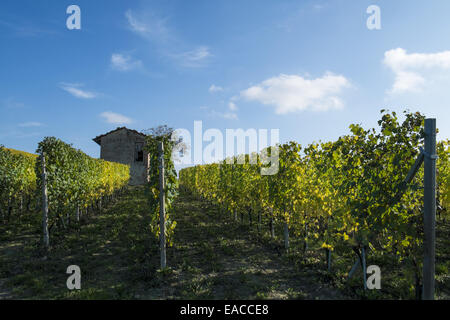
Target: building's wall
119, 147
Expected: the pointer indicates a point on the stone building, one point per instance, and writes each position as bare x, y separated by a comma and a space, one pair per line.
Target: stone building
126, 146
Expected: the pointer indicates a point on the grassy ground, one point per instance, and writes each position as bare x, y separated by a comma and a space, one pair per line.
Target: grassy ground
217, 258
213, 257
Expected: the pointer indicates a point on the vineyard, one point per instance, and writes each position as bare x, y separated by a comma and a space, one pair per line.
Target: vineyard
339, 197
331, 210
74, 183
17, 181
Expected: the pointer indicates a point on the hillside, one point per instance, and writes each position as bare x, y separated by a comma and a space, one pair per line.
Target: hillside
22, 152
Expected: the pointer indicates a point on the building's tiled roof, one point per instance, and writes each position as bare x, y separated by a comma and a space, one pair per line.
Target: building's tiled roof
98, 139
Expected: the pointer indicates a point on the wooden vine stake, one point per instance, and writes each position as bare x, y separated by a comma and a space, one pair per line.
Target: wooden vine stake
77, 214
44, 205
429, 219
364, 267
286, 235
162, 204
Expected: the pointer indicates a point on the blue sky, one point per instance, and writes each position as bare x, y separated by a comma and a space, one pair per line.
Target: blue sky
308, 68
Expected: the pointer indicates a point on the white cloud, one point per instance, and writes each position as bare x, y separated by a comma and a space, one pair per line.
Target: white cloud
155, 29
193, 58
407, 81
215, 88
115, 118
318, 6
135, 24
232, 106
197, 54
412, 69
225, 115
74, 89
122, 62
291, 93
148, 25
30, 124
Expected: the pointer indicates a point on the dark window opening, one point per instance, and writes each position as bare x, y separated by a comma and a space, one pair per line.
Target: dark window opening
139, 153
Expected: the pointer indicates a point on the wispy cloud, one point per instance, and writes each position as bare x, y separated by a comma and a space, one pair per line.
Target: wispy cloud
213, 88
135, 25
18, 134
225, 115
292, 93
412, 69
75, 90
115, 118
147, 25
318, 7
123, 62
11, 103
230, 115
25, 29
156, 30
296, 14
30, 124
193, 58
